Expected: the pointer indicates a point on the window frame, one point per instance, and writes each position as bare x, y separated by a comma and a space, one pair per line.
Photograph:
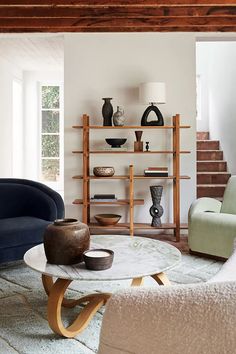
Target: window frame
56, 185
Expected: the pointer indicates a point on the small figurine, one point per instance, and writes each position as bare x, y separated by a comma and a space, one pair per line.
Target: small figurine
147, 146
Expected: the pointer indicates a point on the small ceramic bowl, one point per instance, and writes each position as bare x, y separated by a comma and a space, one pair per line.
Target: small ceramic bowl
107, 219
103, 171
98, 259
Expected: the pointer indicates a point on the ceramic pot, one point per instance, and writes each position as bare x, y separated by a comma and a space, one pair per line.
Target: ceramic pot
118, 117
107, 111
65, 241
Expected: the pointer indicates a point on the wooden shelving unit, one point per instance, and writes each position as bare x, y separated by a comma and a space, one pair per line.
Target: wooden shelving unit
131, 202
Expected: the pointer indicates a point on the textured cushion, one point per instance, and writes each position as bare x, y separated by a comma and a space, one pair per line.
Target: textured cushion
186, 319
21, 231
229, 200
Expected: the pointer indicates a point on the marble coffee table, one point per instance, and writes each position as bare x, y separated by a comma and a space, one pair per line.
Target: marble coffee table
134, 258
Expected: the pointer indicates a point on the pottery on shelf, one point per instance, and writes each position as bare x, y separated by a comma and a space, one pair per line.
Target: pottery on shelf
107, 111
138, 144
107, 219
116, 142
98, 259
65, 241
102, 171
118, 117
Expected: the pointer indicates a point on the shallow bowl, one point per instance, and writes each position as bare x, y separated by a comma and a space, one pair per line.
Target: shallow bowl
116, 142
107, 219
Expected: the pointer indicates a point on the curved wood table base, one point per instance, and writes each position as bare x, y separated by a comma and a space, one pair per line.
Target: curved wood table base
94, 302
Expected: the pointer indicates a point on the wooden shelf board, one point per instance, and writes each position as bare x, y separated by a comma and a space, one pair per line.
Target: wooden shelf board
141, 226
117, 202
130, 152
127, 177
95, 177
131, 127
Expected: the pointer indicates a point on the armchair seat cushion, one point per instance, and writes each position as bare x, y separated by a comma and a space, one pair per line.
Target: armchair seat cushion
23, 230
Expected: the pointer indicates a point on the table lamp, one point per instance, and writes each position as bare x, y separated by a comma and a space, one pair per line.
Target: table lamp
150, 93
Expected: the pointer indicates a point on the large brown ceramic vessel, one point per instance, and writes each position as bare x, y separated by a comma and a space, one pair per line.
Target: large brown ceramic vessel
65, 241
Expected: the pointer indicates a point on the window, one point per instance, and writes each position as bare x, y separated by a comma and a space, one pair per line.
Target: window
51, 149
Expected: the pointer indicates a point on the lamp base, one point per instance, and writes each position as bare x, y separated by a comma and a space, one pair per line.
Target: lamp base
148, 110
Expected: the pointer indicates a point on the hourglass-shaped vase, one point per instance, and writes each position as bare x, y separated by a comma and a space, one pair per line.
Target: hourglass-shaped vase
107, 111
138, 144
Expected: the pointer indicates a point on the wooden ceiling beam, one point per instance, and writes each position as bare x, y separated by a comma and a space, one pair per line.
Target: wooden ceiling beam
120, 29
118, 22
70, 12
127, 3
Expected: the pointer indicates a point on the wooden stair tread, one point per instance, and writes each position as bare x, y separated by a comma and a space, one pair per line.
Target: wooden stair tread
211, 185
213, 173
207, 140
204, 161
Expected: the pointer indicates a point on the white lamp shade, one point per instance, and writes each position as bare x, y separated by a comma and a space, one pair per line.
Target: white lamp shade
152, 92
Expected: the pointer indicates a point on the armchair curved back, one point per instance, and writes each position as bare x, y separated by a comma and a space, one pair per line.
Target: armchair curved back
21, 197
229, 200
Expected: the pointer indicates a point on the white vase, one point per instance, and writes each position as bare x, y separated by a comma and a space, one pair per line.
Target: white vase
118, 117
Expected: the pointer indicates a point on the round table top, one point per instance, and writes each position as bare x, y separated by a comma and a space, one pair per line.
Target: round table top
134, 257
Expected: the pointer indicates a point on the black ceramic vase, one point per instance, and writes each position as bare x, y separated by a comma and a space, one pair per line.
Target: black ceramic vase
107, 111
156, 209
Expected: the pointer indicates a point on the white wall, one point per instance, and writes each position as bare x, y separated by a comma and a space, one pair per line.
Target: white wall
113, 65
219, 71
8, 73
32, 80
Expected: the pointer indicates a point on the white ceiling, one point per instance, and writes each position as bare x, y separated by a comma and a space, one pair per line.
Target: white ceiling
33, 53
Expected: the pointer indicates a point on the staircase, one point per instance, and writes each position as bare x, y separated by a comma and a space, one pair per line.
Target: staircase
212, 175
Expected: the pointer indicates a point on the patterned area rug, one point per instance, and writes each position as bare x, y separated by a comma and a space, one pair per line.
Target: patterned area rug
23, 325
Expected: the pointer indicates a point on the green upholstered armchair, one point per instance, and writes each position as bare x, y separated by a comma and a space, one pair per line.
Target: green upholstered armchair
212, 224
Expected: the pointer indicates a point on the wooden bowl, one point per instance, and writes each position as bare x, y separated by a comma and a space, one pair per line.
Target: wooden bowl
107, 219
98, 259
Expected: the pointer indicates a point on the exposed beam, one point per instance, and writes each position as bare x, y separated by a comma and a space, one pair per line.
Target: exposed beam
137, 11
91, 3
121, 29
119, 22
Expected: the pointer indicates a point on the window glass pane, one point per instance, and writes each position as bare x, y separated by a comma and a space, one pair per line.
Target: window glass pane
50, 145
50, 122
50, 97
50, 170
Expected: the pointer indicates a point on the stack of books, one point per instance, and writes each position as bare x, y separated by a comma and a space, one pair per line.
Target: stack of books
104, 198
156, 172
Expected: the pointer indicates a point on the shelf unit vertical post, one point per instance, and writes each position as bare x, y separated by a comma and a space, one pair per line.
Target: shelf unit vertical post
86, 192
176, 173
131, 200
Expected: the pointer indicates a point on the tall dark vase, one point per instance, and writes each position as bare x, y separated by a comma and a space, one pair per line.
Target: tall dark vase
156, 209
107, 111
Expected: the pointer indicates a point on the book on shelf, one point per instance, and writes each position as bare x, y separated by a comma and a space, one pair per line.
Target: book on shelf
104, 196
156, 172
157, 169
103, 200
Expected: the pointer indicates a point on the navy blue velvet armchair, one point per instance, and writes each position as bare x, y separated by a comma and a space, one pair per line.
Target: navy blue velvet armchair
26, 208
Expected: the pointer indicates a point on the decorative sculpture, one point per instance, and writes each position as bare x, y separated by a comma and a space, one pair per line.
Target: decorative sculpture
156, 209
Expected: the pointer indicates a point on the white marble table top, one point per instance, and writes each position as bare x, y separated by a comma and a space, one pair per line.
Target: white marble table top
134, 257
